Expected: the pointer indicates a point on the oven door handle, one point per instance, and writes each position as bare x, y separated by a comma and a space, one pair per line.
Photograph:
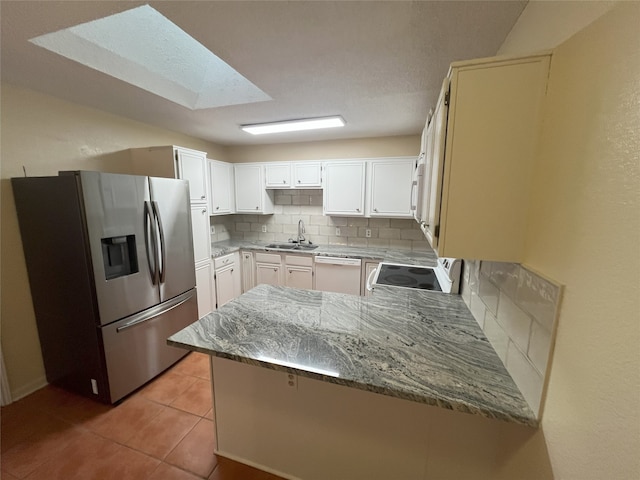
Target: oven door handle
370, 278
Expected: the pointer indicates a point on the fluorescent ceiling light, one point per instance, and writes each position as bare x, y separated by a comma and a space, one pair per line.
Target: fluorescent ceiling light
142, 47
294, 125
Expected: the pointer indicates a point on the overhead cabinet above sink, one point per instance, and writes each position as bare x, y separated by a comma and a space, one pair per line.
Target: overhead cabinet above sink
293, 175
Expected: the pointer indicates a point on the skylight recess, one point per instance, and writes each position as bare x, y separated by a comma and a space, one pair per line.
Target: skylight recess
142, 47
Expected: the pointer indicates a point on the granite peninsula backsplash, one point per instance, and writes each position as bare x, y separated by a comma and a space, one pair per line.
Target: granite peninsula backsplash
306, 205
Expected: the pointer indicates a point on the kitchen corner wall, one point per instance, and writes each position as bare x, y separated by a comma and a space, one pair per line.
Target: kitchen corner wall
306, 205
517, 310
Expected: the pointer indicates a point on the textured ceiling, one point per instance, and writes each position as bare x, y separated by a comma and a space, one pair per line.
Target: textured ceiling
378, 64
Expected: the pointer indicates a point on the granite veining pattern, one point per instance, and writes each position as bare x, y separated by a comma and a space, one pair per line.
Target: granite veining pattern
408, 257
412, 344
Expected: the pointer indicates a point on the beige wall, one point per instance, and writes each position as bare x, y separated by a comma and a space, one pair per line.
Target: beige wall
585, 233
335, 149
46, 135
545, 24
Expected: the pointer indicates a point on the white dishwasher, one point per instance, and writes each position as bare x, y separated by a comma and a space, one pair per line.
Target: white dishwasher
341, 275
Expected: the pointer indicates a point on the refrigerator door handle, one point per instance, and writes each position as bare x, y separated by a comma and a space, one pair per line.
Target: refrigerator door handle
156, 312
163, 254
150, 246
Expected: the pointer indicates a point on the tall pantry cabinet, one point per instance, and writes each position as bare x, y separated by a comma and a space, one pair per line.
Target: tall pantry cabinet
178, 162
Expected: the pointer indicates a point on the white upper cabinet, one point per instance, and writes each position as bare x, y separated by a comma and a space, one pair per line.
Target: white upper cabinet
277, 175
251, 194
221, 191
174, 162
293, 175
344, 188
389, 187
307, 175
192, 166
492, 128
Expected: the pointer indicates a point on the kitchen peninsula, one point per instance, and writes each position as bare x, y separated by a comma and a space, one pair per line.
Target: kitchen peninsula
348, 384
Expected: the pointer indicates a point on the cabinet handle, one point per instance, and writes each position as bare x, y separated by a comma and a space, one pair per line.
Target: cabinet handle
275, 269
357, 209
202, 197
218, 207
232, 270
284, 181
299, 181
375, 209
257, 208
204, 210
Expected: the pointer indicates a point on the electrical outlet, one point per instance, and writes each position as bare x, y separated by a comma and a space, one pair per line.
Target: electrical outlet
337, 232
264, 229
292, 380
367, 233
213, 229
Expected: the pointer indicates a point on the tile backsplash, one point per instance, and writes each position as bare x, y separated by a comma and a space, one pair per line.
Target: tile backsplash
306, 205
517, 310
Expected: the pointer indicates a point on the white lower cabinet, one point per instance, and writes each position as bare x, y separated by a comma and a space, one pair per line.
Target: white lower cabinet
248, 271
268, 268
227, 278
298, 271
205, 289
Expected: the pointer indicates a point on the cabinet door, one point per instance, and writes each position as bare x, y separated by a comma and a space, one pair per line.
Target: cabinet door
251, 194
299, 277
278, 175
200, 229
344, 188
205, 288
221, 179
192, 166
307, 175
436, 137
390, 188
268, 273
227, 284
248, 281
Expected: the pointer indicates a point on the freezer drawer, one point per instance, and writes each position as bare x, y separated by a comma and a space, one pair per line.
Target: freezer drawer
136, 349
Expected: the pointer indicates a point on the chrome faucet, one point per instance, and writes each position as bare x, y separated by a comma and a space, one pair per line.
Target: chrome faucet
300, 231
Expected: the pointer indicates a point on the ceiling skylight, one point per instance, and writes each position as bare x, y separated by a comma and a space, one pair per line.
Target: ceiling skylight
144, 48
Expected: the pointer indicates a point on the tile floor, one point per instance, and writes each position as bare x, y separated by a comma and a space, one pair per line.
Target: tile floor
164, 431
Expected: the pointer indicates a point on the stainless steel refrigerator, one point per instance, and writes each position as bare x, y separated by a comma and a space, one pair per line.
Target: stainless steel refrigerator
110, 263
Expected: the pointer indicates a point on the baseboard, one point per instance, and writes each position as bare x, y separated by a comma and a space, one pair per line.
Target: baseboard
255, 465
29, 388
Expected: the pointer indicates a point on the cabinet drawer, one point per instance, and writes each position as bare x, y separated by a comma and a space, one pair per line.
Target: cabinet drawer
268, 258
301, 260
223, 261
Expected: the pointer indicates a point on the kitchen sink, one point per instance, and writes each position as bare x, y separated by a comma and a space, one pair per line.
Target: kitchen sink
291, 246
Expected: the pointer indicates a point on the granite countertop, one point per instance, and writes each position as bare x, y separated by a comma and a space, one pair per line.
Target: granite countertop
408, 257
412, 344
